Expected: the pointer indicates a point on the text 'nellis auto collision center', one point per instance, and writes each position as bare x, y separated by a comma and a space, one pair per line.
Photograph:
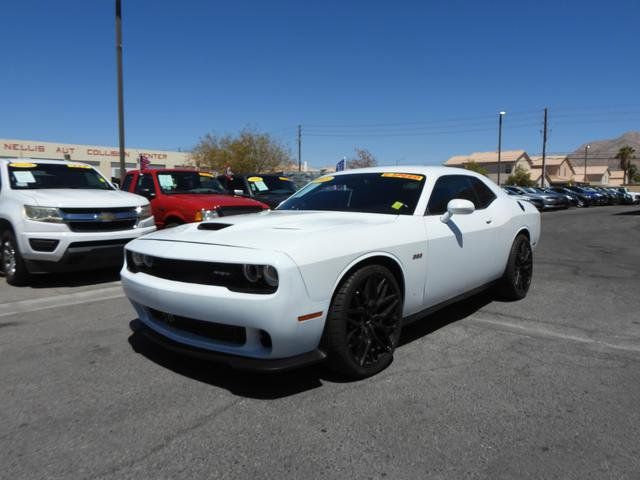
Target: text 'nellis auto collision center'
105, 159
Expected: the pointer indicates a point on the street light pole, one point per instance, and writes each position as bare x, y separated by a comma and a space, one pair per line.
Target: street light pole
586, 150
120, 94
500, 115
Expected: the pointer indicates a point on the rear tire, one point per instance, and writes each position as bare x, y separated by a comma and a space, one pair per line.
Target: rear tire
13, 266
516, 280
364, 322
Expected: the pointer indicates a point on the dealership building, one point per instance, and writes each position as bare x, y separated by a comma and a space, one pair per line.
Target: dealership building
105, 159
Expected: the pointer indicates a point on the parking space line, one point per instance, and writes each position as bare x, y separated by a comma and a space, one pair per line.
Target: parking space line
543, 332
36, 304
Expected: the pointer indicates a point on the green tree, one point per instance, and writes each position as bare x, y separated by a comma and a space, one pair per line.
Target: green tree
521, 177
476, 167
249, 151
363, 159
625, 154
633, 174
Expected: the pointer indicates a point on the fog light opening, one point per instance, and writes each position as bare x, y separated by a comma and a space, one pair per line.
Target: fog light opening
265, 339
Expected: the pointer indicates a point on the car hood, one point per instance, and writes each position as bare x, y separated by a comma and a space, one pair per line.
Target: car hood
213, 200
74, 198
275, 230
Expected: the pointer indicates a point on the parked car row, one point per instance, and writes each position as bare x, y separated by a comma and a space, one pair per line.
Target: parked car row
553, 198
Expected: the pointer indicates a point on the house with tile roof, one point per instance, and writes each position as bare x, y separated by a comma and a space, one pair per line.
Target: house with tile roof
559, 169
596, 175
509, 161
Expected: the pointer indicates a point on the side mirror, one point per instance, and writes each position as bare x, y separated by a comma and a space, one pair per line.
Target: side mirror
147, 193
457, 206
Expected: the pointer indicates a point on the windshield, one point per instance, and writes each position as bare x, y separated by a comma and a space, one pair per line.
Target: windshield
388, 193
261, 185
33, 176
189, 182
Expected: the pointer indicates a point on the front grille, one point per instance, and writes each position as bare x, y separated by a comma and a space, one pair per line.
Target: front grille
100, 219
229, 275
213, 331
120, 242
101, 226
228, 211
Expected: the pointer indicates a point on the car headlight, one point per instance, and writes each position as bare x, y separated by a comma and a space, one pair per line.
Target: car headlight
143, 211
43, 214
261, 273
204, 215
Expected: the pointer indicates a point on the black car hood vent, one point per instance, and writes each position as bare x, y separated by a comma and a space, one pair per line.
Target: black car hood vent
213, 226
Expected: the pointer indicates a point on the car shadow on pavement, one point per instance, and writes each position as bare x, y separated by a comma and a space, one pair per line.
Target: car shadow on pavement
263, 386
75, 279
632, 212
441, 318
269, 386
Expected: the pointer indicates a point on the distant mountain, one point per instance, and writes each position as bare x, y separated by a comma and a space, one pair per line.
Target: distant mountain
603, 152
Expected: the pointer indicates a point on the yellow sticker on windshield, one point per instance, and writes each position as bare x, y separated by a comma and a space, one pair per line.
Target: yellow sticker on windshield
406, 176
102, 180
255, 179
397, 205
205, 174
77, 165
323, 179
22, 165
284, 178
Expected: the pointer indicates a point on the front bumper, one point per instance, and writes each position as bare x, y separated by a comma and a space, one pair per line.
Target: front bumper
274, 316
75, 250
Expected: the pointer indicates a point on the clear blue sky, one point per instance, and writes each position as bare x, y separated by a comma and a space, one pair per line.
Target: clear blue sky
414, 82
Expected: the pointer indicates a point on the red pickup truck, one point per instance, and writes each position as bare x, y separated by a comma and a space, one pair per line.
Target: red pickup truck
180, 196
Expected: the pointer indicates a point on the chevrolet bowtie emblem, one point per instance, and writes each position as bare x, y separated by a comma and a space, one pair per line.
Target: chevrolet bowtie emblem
106, 217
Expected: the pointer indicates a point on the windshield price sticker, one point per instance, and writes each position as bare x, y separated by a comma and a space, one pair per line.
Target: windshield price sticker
255, 179
406, 176
323, 179
260, 185
397, 205
166, 181
22, 165
23, 178
78, 165
205, 174
285, 179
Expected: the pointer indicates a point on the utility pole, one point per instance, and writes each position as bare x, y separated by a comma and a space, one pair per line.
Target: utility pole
299, 148
120, 94
544, 150
586, 150
500, 115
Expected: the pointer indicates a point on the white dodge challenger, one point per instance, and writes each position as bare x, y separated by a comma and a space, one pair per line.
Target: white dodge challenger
334, 272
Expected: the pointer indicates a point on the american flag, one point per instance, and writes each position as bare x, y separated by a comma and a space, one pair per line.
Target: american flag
341, 164
144, 162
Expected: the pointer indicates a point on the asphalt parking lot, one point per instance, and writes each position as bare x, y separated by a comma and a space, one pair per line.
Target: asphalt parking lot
548, 387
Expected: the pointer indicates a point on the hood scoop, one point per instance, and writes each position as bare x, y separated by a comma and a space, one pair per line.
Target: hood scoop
213, 226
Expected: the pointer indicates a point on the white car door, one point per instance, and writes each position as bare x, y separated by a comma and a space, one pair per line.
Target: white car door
460, 254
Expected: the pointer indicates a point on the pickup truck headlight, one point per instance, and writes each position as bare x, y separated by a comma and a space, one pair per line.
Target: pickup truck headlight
143, 211
43, 214
204, 215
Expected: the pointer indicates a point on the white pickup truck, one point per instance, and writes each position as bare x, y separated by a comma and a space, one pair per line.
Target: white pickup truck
60, 216
634, 195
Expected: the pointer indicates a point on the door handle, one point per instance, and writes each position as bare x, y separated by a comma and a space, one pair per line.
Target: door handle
488, 220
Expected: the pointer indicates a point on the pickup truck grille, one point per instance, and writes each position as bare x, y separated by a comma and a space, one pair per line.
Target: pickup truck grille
228, 211
100, 219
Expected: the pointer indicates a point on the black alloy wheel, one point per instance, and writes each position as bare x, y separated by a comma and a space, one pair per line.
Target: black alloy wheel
364, 322
518, 274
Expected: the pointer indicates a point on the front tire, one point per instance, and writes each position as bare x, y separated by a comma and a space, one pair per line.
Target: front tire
516, 280
13, 266
364, 322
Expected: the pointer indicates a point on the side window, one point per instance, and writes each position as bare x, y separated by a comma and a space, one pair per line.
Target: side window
447, 188
127, 182
484, 194
145, 182
237, 184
